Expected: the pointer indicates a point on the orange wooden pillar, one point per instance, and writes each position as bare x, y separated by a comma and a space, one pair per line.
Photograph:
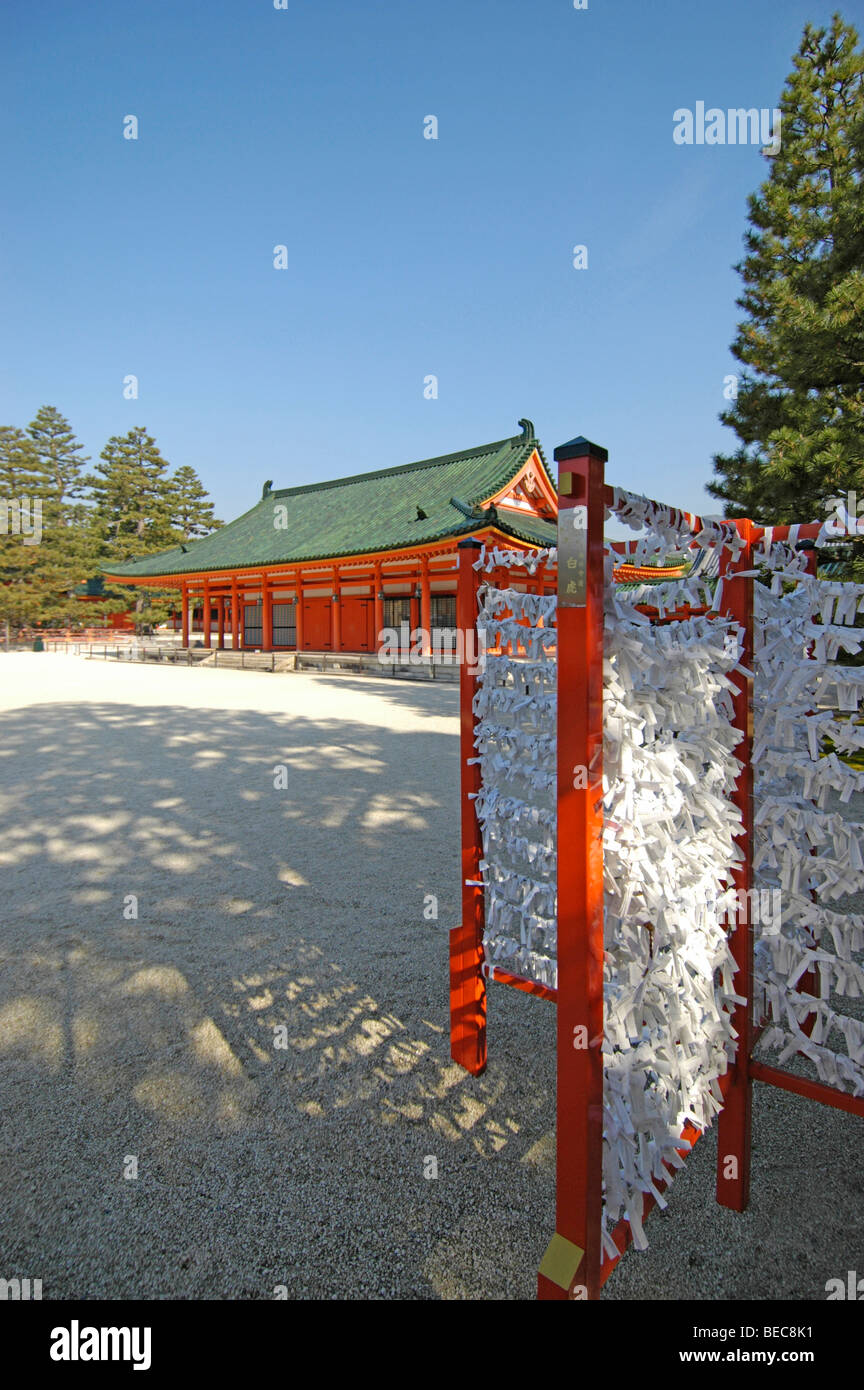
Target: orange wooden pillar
425, 606
298, 599
571, 1265
205, 614
266, 614
220, 630
184, 621
734, 1124
378, 607
414, 603
467, 980
336, 627
235, 616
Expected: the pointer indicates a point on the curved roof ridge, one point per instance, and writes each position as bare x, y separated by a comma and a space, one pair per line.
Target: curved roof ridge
438, 461
387, 509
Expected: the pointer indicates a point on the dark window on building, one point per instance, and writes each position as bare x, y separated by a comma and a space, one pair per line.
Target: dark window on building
443, 622
396, 612
442, 610
252, 630
284, 625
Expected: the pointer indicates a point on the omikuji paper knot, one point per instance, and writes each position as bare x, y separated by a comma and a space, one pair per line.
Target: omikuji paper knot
802, 843
671, 829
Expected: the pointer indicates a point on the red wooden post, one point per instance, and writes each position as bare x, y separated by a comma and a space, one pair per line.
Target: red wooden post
734, 1124
266, 614
414, 609
235, 616
220, 639
298, 599
337, 614
184, 622
379, 606
467, 981
205, 613
571, 1265
425, 606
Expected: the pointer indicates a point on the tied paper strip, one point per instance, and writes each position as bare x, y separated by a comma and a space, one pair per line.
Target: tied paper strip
669, 851
669, 848
669, 528
515, 742
531, 560
805, 846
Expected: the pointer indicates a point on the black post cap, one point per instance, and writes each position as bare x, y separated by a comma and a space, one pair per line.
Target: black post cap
580, 448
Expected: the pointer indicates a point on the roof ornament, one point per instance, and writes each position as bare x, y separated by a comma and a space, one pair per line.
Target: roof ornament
421, 515
527, 427
266, 488
488, 514
472, 513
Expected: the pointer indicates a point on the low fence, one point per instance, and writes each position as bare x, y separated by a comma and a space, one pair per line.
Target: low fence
167, 654
362, 663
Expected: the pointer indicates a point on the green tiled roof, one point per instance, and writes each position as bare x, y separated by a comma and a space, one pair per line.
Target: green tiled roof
91, 588
394, 508
526, 527
95, 588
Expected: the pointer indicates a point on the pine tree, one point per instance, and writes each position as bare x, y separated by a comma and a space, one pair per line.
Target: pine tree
59, 452
799, 412
132, 497
21, 471
192, 512
72, 542
133, 504
28, 514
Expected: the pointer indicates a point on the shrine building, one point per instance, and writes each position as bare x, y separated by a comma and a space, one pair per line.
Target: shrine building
327, 567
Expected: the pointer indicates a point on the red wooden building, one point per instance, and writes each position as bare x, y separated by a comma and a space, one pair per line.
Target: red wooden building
93, 592
329, 566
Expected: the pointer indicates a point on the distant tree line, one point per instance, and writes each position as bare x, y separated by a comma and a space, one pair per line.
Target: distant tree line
61, 524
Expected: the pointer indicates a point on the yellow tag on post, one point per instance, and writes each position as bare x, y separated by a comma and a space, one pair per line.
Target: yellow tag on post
561, 1261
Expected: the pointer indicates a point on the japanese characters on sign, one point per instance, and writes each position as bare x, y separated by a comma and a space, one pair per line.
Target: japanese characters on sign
573, 556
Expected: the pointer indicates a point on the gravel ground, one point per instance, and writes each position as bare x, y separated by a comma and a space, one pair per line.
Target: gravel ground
295, 914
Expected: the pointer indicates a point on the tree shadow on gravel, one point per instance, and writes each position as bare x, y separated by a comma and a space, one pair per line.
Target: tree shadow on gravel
229, 987
421, 697
219, 966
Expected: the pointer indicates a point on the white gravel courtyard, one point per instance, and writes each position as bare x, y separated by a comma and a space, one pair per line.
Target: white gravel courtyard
295, 913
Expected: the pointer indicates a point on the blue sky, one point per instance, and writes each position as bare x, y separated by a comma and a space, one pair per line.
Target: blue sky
406, 256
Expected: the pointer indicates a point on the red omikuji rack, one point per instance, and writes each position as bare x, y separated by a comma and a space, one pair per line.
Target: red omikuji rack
572, 1266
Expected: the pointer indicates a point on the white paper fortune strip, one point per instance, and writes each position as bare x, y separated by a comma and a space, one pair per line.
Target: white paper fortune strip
669, 844
670, 829
804, 696
669, 849
515, 739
